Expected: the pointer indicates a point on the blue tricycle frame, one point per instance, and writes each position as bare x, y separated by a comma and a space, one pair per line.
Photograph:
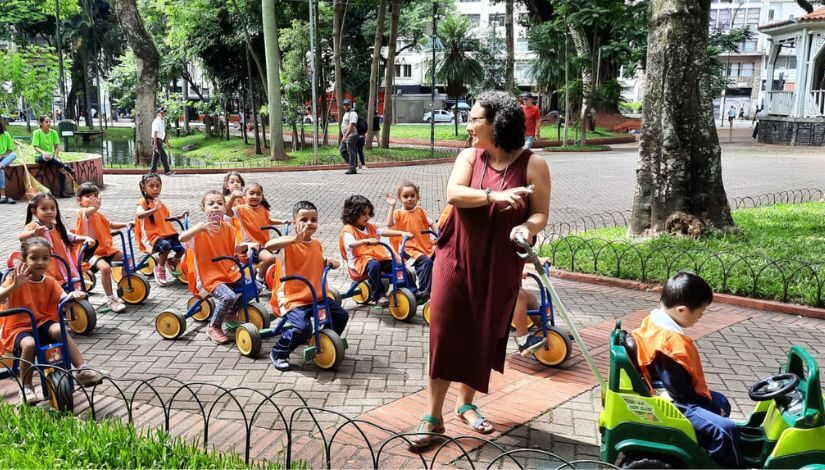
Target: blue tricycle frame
171, 324
403, 301
558, 345
51, 362
132, 285
326, 347
81, 317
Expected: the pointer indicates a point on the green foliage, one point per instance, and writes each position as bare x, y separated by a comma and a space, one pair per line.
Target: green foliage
30, 73
608, 95
456, 67
122, 82
721, 41
295, 77
781, 232
630, 108
33, 438
491, 52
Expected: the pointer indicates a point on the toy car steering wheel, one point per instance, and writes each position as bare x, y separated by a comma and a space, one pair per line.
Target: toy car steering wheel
773, 387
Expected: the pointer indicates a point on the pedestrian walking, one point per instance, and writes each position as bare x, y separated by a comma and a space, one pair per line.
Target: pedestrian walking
159, 138
349, 137
731, 115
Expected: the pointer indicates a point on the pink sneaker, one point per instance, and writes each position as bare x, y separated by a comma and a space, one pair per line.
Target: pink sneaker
160, 276
217, 335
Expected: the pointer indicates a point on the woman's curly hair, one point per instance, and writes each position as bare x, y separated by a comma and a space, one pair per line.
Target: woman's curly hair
504, 113
353, 208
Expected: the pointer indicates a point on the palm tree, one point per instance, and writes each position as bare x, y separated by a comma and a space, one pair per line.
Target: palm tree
456, 67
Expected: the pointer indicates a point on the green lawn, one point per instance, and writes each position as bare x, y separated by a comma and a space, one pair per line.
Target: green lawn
775, 241
36, 438
578, 148
447, 131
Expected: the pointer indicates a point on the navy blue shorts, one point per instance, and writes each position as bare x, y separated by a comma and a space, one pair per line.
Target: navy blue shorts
42, 334
167, 244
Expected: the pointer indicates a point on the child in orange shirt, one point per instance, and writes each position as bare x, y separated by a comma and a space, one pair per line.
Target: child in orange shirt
208, 240
414, 219
154, 232
253, 215
233, 185
359, 244
91, 222
28, 287
302, 255
43, 219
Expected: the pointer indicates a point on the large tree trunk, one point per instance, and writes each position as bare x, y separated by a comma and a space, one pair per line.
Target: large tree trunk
253, 103
337, 19
389, 74
273, 81
510, 61
185, 87
148, 63
582, 47
376, 56
680, 164
87, 107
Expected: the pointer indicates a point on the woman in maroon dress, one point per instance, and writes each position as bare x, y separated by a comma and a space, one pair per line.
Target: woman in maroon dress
499, 191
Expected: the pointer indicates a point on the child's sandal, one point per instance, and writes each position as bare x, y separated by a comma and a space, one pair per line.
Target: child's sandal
424, 438
480, 424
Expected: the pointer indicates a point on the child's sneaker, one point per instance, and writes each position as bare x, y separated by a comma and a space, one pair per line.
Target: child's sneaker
532, 343
87, 377
217, 335
160, 276
115, 304
280, 363
171, 272
28, 395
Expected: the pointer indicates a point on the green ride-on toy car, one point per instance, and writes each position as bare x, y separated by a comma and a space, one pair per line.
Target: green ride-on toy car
785, 430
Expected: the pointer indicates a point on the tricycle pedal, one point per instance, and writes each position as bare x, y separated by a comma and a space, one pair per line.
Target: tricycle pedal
309, 353
346, 344
231, 325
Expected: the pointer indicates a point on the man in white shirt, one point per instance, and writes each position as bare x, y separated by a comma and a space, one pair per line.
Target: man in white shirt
349, 137
158, 139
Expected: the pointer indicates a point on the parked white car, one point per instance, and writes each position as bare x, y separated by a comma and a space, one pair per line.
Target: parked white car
440, 116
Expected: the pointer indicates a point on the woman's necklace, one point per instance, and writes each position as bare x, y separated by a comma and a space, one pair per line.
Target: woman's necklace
503, 177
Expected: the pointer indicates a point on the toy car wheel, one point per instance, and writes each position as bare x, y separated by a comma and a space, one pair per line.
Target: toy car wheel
148, 268
90, 280
170, 324
81, 317
330, 353
258, 315
137, 293
558, 347
334, 295
403, 304
248, 340
362, 293
204, 311
60, 389
425, 312
645, 461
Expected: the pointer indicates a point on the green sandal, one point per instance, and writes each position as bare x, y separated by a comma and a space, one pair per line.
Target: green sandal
425, 438
480, 424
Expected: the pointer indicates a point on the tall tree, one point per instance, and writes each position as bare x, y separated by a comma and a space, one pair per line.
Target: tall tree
680, 164
337, 19
456, 67
509, 39
389, 74
273, 81
147, 59
374, 69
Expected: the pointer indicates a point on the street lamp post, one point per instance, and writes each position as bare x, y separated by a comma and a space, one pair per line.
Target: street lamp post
432, 88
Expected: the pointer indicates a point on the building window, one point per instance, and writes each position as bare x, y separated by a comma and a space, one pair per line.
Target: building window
496, 19
403, 70
733, 69
724, 19
748, 46
770, 15
522, 45
746, 70
474, 19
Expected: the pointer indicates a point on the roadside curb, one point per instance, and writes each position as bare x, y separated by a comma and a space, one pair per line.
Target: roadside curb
729, 299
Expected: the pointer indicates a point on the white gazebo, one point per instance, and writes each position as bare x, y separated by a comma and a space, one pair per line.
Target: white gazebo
796, 115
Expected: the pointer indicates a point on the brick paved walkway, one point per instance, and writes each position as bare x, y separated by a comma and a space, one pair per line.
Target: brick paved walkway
387, 360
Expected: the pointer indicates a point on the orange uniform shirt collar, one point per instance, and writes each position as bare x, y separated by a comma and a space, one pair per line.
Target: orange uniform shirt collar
660, 334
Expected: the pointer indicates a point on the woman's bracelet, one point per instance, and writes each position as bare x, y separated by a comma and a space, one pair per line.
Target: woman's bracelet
487, 192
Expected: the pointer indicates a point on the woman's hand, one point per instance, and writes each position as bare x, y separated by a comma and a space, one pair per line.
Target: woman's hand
513, 198
521, 232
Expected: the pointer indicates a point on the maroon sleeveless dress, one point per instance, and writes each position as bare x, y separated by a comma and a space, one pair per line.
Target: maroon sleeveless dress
476, 278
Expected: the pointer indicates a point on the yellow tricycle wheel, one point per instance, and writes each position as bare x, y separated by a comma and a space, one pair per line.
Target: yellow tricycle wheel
425, 312
248, 340
170, 324
403, 304
530, 323
138, 293
258, 315
90, 280
148, 268
81, 317
204, 311
558, 347
334, 295
330, 353
362, 293
117, 273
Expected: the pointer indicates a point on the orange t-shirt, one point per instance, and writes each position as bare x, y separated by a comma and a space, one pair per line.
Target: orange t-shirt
251, 220
415, 221
652, 339
532, 116
305, 260
147, 231
57, 270
98, 227
42, 298
442, 217
203, 274
357, 258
